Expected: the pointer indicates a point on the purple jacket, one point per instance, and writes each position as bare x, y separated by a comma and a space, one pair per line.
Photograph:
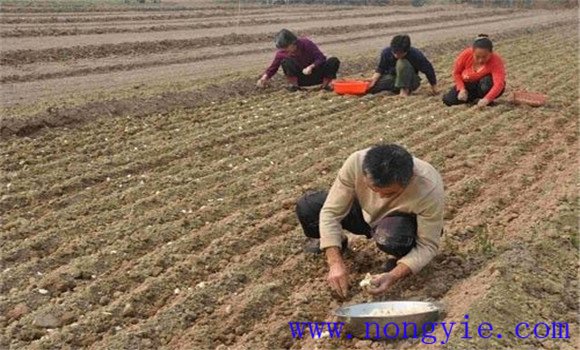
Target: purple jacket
306, 54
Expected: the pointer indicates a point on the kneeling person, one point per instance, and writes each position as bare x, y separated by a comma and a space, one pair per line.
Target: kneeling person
302, 62
479, 75
399, 67
387, 195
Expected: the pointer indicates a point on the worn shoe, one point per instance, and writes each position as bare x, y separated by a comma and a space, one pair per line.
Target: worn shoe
312, 246
390, 264
293, 88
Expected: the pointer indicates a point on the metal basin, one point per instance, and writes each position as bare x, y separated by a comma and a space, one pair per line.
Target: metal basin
388, 319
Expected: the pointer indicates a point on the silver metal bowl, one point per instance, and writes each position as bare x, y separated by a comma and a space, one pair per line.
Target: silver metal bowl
388, 320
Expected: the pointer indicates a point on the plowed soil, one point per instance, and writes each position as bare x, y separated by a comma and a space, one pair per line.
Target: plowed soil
163, 216
45, 74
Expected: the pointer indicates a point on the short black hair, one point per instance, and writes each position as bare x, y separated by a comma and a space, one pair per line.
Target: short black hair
401, 43
285, 38
483, 42
388, 164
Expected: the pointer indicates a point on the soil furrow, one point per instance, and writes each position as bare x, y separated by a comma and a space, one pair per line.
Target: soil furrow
58, 54
36, 32
60, 116
200, 14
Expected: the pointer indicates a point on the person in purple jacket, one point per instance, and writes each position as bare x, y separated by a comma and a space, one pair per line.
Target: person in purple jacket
302, 62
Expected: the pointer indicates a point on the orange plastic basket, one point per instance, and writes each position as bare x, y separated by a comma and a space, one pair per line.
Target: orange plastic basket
533, 99
350, 87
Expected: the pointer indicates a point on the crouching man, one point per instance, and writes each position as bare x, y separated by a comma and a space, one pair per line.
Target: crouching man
387, 195
399, 67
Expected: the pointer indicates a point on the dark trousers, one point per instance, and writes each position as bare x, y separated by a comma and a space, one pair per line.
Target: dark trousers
475, 91
405, 77
395, 234
327, 70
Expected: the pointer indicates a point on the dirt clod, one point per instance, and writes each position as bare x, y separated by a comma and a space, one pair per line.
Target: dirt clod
128, 310
59, 283
46, 321
18, 311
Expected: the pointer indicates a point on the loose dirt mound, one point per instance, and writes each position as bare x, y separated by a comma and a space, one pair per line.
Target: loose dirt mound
178, 230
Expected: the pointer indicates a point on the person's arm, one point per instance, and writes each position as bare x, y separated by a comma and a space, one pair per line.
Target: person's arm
336, 207
498, 77
383, 65
429, 226
376, 76
274, 66
426, 68
313, 49
458, 68
337, 204
337, 271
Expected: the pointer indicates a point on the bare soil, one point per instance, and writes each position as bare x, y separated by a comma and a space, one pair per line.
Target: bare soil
132, 27
164, 218
142, 70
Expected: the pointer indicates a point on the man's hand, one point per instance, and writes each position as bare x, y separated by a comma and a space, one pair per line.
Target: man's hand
373, 80
262, 82
462, 96
386, 280
483, 103
383, 282
434, 91
338, 274
308, 70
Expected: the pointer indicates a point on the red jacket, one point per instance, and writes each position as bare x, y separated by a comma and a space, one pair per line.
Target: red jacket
463, 72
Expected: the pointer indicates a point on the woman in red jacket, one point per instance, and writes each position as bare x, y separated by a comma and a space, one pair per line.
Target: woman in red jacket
479, 74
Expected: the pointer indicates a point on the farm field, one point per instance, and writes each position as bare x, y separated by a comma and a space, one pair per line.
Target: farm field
65, 58
147, 189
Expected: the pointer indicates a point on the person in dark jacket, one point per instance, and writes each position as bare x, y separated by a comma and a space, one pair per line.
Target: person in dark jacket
399, 67
302, 62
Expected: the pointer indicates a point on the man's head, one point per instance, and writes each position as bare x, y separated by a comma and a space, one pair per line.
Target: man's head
400, 45
286, 40
482, 49
388, 169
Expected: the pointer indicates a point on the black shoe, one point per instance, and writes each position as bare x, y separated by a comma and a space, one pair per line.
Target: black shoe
293, 88
312, 246
390, 264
